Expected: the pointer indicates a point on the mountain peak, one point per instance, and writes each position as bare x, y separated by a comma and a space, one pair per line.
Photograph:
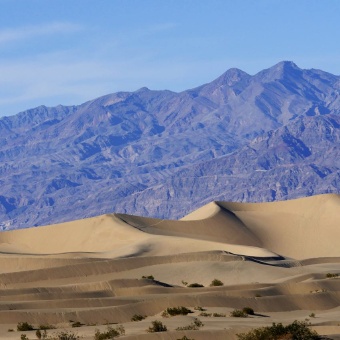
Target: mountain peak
286, 65
232, 77
279, 71
143, 89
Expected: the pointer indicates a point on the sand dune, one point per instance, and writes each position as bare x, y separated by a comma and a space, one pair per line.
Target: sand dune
272, 257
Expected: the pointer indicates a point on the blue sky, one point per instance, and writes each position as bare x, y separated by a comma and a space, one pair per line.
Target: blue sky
69, 51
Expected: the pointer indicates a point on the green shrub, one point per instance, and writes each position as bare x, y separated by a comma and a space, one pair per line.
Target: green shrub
218, 315
41, 334
295, 331
195, 285
64, 335
248, 310
110, 333
46, 327
149, 277
77, 324
330, 276
236, 313
205, 314
172, 311
216, 283
138, 317
194, 326
24, 326
157, 326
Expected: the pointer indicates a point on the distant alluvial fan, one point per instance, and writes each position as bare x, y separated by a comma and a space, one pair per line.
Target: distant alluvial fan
271, 136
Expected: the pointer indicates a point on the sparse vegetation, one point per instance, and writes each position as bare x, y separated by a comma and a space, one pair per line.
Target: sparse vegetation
64, 335
258, 295
216, 283
110, 333
331, 276
46, 327
218, 315
149, 277
157, 326
185, 338
195, 285
77, 324
24, 326
237, 313
201, 309
296, 330
205, 314
184, 283
41, 334
10, 330
312, 315
194, 326
23, 337
248, 310
138, 317
318, 291
172, 311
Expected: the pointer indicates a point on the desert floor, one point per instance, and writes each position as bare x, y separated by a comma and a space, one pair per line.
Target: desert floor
272, 257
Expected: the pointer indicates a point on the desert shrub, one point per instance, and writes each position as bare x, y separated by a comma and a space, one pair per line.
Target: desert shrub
23, 337
297, 330
138, 317
258, 295
198, 322
218, 315
185, 338
237, 313
205, 314
195, 285
216, 283
330, 275
110, 333
248, 310
157, 326
120, 329
194, 326
46, 327
41, 334
10, 330
312, 315
184, 283
149, 277
172, 311
77, 324
24, 326
201, 309
64, 335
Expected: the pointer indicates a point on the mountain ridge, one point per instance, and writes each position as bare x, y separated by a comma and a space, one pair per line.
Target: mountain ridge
126, 152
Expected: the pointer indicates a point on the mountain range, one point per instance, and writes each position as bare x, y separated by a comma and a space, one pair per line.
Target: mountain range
271, 136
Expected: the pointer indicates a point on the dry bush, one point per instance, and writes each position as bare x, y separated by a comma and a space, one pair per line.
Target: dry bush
157, 326
295, 331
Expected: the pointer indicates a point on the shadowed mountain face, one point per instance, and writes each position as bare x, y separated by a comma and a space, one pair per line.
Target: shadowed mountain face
274, 135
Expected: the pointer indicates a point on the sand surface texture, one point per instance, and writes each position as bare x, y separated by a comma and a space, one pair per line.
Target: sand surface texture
272, 257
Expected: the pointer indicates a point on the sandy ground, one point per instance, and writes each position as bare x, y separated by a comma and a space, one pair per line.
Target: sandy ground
272, 257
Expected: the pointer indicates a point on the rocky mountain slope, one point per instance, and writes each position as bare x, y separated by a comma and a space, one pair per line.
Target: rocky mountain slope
274, 135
